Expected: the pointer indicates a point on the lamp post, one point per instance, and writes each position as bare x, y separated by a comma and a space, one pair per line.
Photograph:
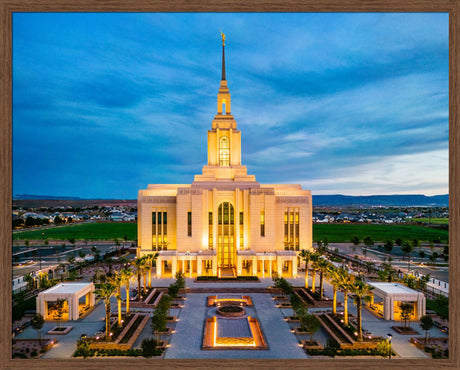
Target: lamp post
389, 345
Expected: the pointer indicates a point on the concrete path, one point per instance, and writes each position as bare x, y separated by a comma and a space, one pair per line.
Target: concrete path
187, 340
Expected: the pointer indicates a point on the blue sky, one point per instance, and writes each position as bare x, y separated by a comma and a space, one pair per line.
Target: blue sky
356, 104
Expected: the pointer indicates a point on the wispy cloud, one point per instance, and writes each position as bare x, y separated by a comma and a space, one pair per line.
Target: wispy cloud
104, 104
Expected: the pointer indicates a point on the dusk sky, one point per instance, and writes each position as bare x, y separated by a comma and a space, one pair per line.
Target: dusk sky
341, 103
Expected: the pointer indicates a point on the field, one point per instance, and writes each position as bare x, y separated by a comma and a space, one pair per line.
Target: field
334, 233
93, 231
436, 221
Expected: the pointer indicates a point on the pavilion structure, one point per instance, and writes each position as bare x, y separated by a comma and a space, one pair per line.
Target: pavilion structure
71, 293
392, 295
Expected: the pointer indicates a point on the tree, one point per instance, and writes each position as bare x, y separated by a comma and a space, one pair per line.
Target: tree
117, 280
406, 312
30, 281
306, 256
355, 240
422, 254
368, 241
81, 254
345, 282
362, 294
407, 249
434, 256
296, 304
60, 310
388, 246
308, 322
127, 274
37, 323
426, 322
159, 321
150, 261
333, 274
106, 291
322, 267
284, 285
57, 220
398, 241
139, 264
314, 266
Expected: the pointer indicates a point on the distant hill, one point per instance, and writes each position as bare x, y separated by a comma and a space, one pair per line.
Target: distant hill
31, 196
411, 200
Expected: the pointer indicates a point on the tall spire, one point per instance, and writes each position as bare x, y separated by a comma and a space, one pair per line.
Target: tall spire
223, 56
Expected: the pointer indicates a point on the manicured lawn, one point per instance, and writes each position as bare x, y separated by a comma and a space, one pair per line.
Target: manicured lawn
93, 231
336, 233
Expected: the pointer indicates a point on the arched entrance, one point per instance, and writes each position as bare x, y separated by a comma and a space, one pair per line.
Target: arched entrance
226, 254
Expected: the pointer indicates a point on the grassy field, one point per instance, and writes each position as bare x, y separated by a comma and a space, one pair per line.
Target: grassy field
95, 231
335, 233
436, 221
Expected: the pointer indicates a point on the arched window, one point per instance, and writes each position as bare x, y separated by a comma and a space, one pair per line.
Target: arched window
224, 151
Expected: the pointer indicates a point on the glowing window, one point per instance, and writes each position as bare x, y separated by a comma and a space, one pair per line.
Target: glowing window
224, 151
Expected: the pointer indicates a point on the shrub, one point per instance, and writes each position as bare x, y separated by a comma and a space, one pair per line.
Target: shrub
149, 346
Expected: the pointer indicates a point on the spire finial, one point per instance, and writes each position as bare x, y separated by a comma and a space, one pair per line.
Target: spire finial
223, 55
223, 38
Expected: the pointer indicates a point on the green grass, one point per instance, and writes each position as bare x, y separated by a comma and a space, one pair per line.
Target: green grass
93, 231
442, 311
335, 233
436, 221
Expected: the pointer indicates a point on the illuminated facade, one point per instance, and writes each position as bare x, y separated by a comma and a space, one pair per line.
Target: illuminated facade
225, 223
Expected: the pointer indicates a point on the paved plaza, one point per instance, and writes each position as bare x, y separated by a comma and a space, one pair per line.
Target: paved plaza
185, 342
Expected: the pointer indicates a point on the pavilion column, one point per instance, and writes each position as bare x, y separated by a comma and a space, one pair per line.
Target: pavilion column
191, 267
239, 263
87, 299
254, 265
174, 266
73, 308
263, 268
270, 269
294, 266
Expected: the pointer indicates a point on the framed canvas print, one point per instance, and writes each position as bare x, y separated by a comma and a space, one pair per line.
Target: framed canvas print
229, 185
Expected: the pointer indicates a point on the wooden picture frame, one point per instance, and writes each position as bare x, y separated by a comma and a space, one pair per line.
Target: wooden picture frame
10, 6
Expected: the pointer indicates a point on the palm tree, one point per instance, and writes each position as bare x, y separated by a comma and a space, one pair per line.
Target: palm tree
127, 274
333, 275
106, 291
139, 264
306, 256
345, 282
117, 280
314, 266
322, 267
362, 294
150, 259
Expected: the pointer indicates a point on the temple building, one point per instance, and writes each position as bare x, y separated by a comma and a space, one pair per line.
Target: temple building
225, 223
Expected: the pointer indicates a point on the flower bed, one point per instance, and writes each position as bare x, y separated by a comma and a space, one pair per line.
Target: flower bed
230, 311
132, 329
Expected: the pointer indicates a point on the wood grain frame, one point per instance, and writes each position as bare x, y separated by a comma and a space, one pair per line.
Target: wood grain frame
7, 7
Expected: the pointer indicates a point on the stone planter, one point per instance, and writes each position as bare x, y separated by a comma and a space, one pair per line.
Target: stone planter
405, 331
59, 330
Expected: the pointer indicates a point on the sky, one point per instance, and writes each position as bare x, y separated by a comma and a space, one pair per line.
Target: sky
106, 103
